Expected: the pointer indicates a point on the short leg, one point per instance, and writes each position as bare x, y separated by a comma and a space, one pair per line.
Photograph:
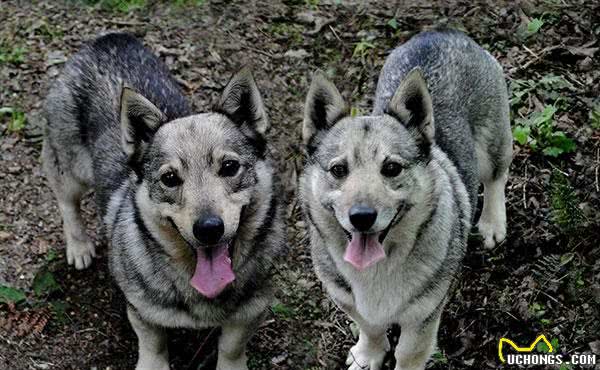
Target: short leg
369, 352
417, 342
492, 223
232, 345
152, 342
68, 191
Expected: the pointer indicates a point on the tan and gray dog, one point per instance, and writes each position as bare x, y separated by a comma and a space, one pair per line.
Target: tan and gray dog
188, 202
390, 197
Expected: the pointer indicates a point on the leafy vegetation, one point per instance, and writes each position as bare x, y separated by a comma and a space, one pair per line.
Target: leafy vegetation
12, 54
362, 49
542, 347
46, 30
123, 6
282, 310
565, 203
439, 358
538, 131
16, 120
11, 295
549, 86
292, 32
44, 283
534, 26
393, 23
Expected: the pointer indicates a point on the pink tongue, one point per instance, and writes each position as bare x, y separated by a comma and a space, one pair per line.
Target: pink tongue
213, 274
364, 250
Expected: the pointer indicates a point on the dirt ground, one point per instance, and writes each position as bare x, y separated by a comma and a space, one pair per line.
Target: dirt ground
545, 279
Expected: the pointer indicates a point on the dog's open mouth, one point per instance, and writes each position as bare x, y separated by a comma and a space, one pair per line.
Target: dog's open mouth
366, 249
214, 271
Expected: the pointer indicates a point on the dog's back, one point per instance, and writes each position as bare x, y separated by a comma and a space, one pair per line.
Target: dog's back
469, 95
83, 106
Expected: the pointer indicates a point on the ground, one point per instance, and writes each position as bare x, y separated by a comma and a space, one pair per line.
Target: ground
544, 279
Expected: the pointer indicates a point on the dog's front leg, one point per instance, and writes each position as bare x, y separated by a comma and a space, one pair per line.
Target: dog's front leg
369, 351
232, 345
417, 342
152, 342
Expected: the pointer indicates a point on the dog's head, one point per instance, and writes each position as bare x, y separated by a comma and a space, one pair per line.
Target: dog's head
197, 174
368, 171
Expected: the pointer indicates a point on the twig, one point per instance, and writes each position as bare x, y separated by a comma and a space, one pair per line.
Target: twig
265, 53
335, 33
470, 12
201, 347
319, 25
539, 56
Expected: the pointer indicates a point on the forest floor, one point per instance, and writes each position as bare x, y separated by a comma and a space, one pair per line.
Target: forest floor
544, 279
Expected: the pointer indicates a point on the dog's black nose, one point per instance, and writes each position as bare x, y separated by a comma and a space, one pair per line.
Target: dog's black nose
209, 229
362, 217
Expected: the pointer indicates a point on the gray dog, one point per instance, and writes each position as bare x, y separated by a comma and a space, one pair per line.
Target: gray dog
390, 197
187, 201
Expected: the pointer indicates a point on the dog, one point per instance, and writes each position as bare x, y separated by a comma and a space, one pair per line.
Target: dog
390, 197
188, 201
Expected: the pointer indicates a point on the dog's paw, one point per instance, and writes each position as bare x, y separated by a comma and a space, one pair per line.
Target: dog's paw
364, 358
223, 363
80, 253
492, 232
153, 363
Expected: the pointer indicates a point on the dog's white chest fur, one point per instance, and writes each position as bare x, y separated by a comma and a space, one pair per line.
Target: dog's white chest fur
381, 291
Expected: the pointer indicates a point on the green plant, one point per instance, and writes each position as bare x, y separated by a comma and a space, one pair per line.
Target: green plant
44, 283
124, 6
439, 358
355, 111
537, 310
17, 120
11, 295
46, 30
361, 48
13, 55
538, 132
564, 202
393, 24
313, 4
565, 366
549, 86
542, 347
282, 29
59, 309
534, 26
51, 255
282, 310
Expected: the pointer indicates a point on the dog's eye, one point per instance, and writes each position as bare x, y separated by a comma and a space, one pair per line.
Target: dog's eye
339, 171
229, 168
391, 169
170, 179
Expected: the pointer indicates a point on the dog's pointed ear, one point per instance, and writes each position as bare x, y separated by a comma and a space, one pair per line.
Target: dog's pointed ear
242, 103
139, 121
412, 105
324, 106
